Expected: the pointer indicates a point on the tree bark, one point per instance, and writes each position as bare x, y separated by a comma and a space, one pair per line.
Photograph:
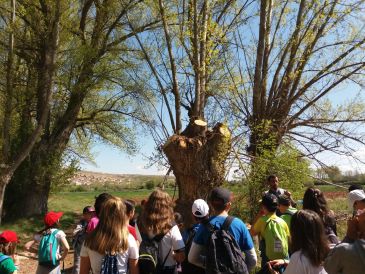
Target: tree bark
198, 163
27, 193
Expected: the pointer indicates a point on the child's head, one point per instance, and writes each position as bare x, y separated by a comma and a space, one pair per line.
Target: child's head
130, 208
283, 203
111, 233
99, 200
314, 200
355, 187
269, 203
51, 219
220, 199
356, 199
308, 235
8, 242
200, 210
88, 213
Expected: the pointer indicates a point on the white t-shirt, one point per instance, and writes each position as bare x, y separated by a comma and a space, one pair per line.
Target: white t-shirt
96, 258
59, 235
300, 264
172, 241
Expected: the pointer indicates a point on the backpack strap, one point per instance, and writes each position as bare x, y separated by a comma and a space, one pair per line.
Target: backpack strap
227, 223
3, 258
360, 251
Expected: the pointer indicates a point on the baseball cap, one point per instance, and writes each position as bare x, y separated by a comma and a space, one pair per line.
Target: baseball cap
270, 201
200, 208
220, 194
354, 196
8, 236
88, 209
52, 217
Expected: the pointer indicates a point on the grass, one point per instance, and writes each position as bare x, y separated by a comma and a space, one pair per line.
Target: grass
72, 203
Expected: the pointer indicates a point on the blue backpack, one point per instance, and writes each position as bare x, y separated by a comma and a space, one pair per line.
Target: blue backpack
3, 258
47, 250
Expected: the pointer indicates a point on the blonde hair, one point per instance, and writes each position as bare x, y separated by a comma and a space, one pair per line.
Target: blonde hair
157, 215
111, 233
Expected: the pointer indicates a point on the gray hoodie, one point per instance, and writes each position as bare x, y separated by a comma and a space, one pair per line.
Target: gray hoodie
346, 258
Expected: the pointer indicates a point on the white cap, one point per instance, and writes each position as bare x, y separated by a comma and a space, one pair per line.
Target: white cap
355, 195
200, 208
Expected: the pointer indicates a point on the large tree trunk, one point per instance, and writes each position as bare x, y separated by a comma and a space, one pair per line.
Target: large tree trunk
197, 158
27, 193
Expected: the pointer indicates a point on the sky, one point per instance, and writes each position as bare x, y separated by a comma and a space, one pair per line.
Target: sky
111, 160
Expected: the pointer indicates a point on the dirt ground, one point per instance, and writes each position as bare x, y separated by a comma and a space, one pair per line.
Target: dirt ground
28, 263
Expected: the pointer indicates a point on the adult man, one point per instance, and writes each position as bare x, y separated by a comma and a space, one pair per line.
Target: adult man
221, 200
273, 183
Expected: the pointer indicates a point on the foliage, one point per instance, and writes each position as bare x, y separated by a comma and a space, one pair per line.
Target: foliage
286, 162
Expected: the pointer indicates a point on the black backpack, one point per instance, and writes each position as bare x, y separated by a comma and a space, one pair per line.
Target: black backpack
224, 256
188, 268
148, 262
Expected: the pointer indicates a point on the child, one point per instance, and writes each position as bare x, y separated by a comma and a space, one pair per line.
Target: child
286, 211
79, 236
129, 205
110, 237
8, 257
308, 245
51, 221
273, 230
99, 201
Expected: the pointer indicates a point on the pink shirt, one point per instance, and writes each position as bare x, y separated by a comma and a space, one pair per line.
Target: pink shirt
92, 224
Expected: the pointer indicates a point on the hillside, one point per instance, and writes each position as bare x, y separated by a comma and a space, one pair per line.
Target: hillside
83, 178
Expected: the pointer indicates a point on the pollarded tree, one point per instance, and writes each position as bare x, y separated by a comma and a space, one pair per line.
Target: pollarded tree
299, 54
183, 64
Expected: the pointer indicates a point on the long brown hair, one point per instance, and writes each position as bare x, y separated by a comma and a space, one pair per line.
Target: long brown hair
111, 233
307, 235
157, 215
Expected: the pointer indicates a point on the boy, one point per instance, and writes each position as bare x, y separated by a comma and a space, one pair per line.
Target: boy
273, 231
286, 211
221, 201
79, 234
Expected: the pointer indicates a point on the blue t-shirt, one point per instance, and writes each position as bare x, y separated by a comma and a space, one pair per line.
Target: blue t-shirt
186, 233
237, 228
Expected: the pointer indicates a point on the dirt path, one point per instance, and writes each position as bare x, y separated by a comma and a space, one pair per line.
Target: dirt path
28, 263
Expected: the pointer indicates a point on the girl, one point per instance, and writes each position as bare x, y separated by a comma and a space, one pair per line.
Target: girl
51, 221
309, 245
110, 237
157, 218
314, 200
8, 258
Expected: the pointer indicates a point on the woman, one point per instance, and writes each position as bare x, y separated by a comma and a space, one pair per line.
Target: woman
110, 237
157, 218
314, 200
309, 245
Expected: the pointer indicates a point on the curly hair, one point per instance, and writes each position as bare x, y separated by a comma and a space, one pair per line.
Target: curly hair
308, 235
111, 233
157, 215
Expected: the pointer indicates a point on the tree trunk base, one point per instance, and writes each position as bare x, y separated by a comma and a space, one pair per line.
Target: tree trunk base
198, 162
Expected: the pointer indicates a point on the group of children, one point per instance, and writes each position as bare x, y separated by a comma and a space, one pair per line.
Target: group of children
109, 239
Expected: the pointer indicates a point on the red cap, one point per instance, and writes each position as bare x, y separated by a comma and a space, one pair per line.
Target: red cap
8, 236
52, 217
